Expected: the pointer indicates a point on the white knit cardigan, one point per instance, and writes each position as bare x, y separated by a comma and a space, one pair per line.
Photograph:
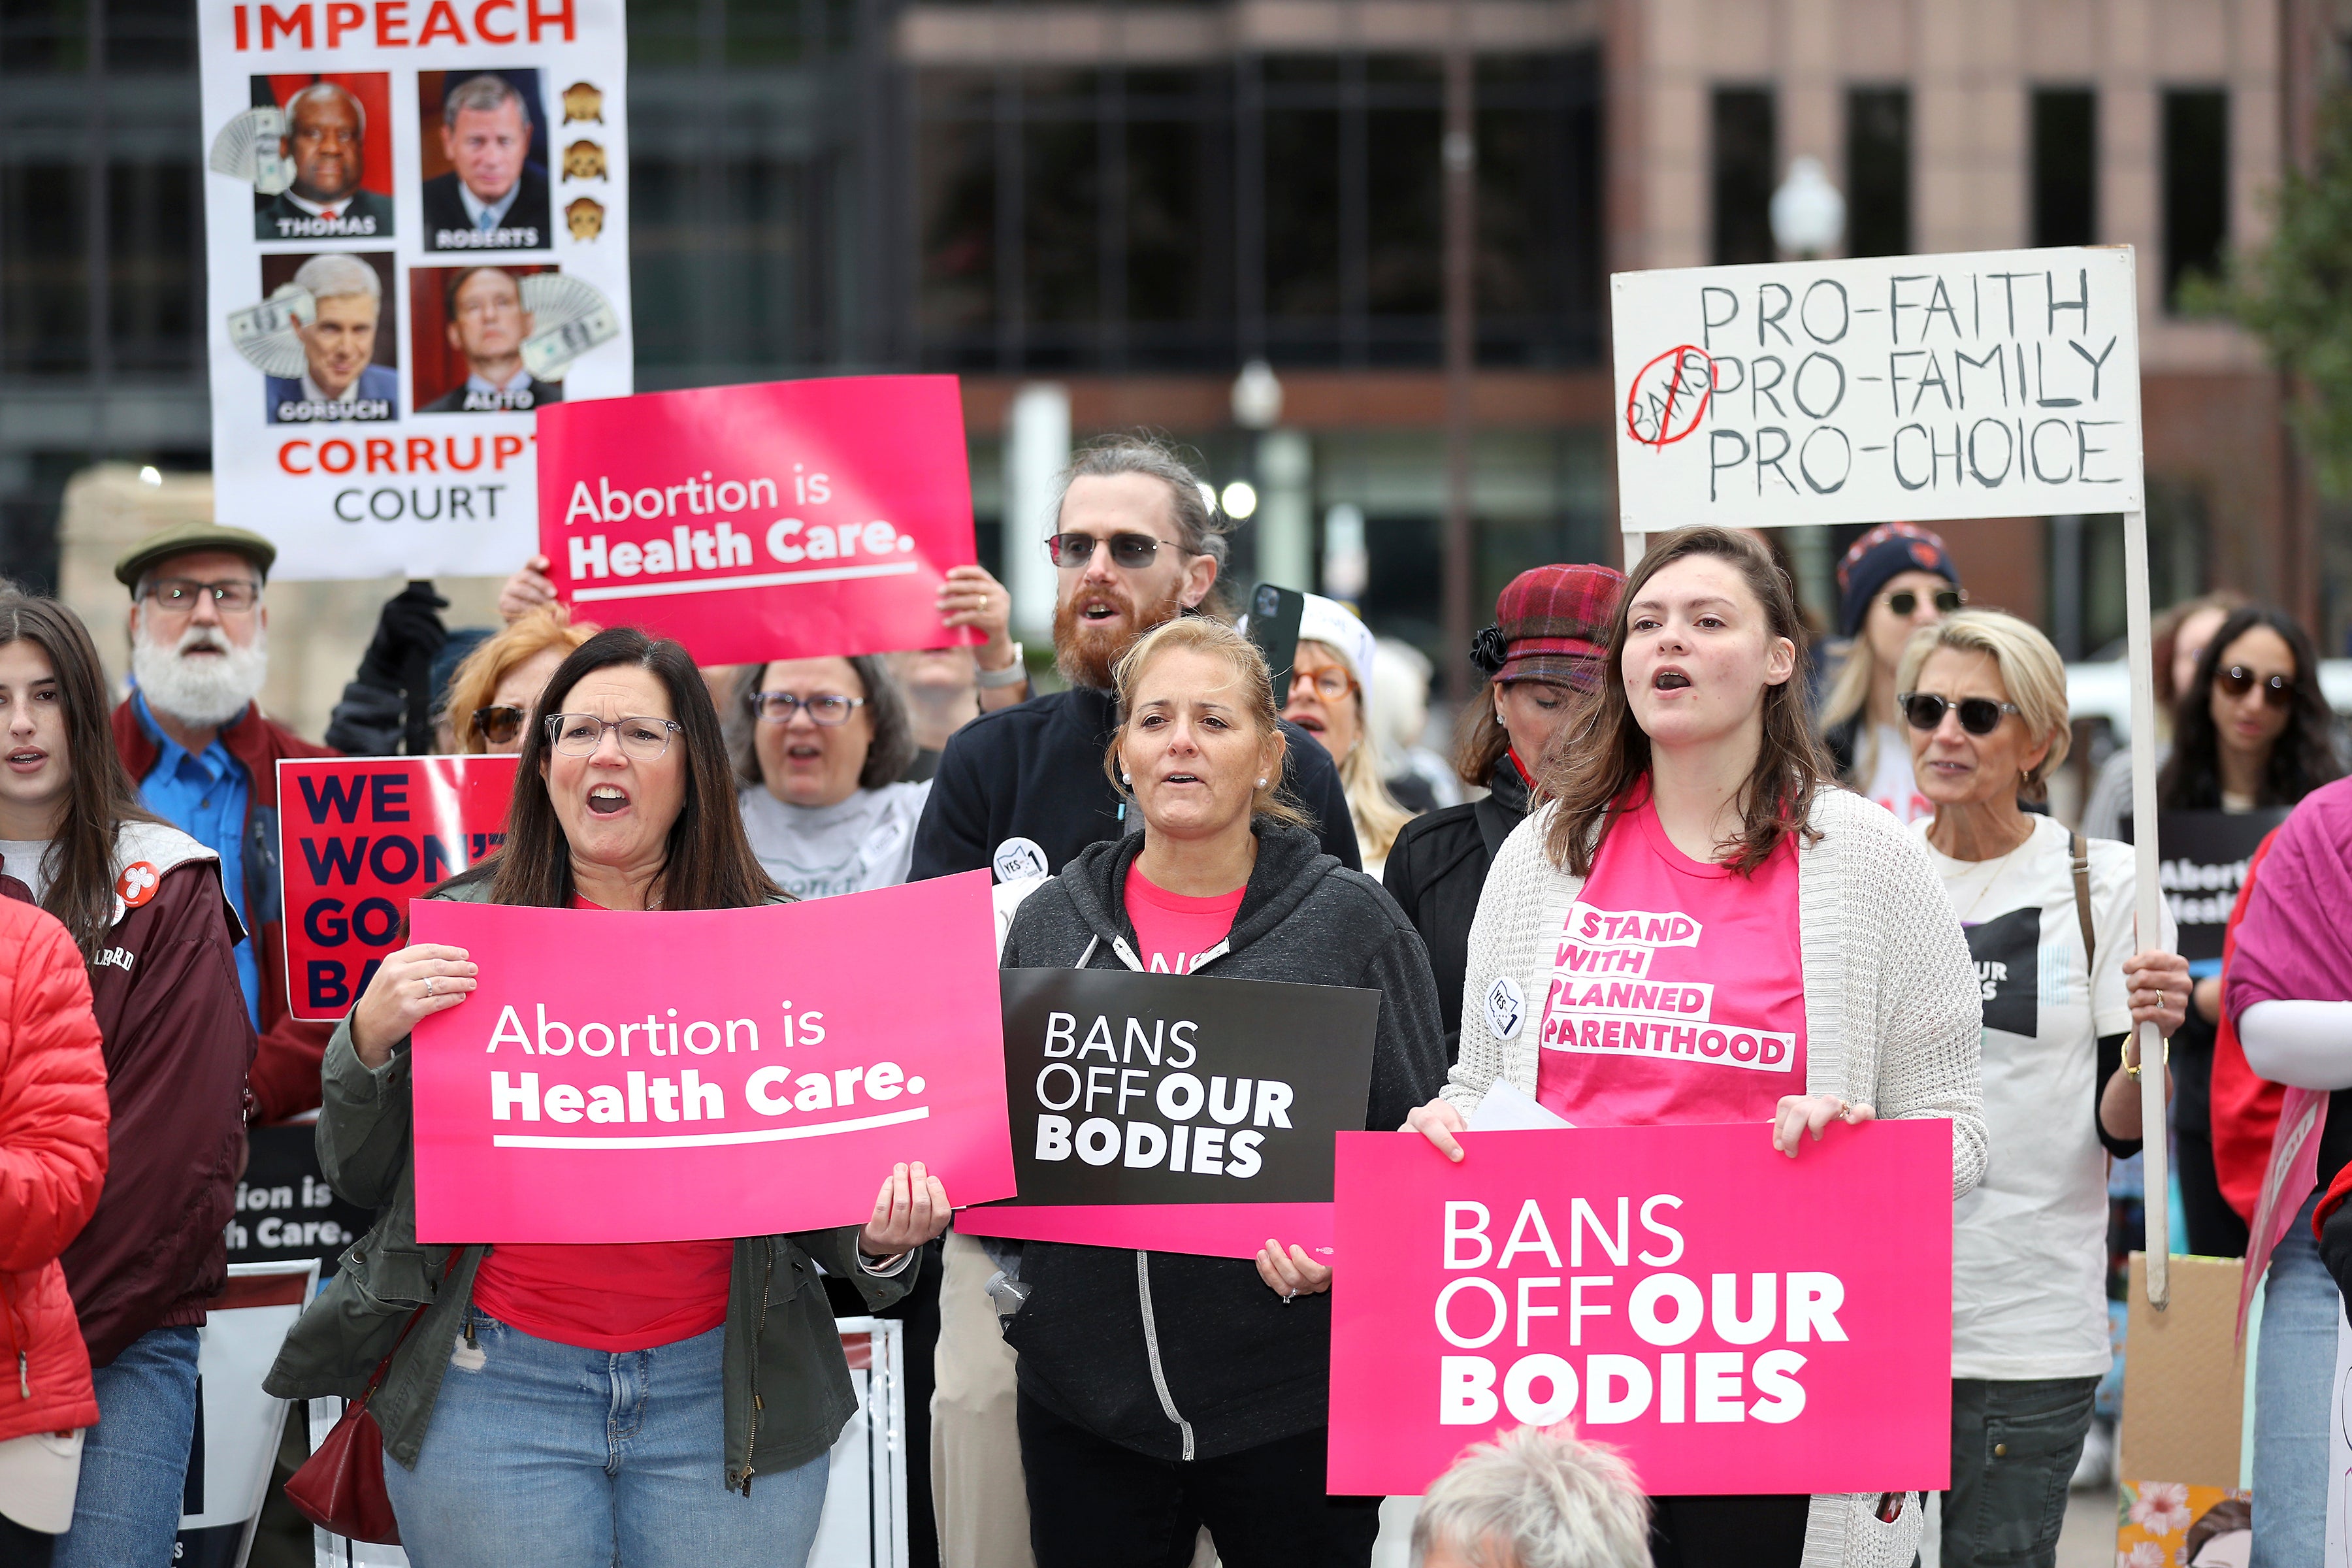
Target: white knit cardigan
1893, 1020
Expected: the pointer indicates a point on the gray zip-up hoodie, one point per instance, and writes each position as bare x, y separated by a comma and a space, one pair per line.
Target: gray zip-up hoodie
1183, 1357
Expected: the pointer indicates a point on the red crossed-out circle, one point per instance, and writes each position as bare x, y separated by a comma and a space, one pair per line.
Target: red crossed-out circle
1669, 396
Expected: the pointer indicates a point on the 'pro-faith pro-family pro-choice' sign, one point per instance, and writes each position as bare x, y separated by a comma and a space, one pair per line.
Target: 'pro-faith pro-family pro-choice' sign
780, 520
1996, 383
1728, 1319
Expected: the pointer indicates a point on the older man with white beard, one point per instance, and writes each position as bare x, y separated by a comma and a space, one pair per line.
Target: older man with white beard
206, 761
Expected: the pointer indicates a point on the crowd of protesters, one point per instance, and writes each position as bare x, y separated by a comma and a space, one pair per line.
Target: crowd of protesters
1856, 825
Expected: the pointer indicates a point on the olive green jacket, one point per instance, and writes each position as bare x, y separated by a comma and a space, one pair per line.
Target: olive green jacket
788, 1393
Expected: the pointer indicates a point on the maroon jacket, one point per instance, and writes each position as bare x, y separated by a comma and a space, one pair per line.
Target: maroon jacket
286, 1073
177, 1043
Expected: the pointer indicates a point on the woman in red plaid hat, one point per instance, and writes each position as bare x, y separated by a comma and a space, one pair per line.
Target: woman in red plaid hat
1551, 627
1894, 580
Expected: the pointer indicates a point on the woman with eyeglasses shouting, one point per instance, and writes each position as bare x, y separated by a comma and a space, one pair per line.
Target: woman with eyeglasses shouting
819, 752
2049, 918
1328, 700
667, 1404
1894, 580
492, 689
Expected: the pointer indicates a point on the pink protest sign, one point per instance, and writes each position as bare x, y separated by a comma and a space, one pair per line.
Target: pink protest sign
784, 519
670, 1077
1730, 1320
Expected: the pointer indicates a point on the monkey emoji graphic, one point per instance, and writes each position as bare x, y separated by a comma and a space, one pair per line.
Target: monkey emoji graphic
583, 160
584, 103
586, 216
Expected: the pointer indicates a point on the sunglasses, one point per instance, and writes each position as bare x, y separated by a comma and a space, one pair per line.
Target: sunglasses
1906, 601
1979, 715
500, 725
2278, 690
1132, 551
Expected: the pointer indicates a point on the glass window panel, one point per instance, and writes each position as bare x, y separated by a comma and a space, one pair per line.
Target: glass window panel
956, 196
149, 35
1878, 171
1302, 213
1746, 147
1061, 209
154, 268
44, 275
39, 37
1166, 180
1404, 222
2065, 166
2196, 186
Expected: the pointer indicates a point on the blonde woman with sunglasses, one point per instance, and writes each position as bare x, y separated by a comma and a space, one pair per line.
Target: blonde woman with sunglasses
492, 691
2065, 980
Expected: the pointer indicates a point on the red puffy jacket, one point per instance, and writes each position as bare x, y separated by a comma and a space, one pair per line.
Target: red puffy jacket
53, 1114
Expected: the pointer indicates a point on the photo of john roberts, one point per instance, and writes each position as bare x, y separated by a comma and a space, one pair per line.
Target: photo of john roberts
494, 198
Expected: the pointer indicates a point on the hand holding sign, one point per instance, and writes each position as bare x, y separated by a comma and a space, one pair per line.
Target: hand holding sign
911, 1209
1802, 1113
414, 984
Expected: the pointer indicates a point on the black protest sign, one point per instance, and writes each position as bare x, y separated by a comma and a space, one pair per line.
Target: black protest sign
1161, 1090
285, 1209
2008, 953
2202, 866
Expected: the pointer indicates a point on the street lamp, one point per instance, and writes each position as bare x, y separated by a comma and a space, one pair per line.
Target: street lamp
1257, 396
1808, 212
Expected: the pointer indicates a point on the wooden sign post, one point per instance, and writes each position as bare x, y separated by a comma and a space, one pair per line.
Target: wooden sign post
1904, 388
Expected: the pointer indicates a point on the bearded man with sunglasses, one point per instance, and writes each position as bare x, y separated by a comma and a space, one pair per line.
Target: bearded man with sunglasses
206, 757
1022, 791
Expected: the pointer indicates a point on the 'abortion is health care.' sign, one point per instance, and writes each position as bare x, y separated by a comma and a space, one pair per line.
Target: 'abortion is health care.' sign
673, 1076
1730, 1318
787, 520
1995, 383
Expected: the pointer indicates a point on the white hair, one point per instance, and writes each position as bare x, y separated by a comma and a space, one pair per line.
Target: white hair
1536, 1499
206, 691
326, 92
334, 274
484, 94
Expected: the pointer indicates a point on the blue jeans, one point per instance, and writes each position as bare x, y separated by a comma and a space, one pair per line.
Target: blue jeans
550, 1453
2294, 1379
134, 1462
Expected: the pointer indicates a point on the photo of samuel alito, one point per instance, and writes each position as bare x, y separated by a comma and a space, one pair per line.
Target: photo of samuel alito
493, 197
488, 324
326, 135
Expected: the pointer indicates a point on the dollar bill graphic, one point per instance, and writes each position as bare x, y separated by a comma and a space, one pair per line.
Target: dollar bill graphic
546, 354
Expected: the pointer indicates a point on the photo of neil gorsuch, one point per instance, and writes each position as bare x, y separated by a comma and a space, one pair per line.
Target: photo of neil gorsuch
340, 379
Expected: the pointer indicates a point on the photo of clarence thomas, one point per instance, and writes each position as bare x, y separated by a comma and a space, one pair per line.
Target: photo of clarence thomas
484, 160
333, 142
341, 377
470, 325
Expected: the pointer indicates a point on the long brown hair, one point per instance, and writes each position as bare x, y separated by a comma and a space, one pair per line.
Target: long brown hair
1605, 754
706, 864
100, 795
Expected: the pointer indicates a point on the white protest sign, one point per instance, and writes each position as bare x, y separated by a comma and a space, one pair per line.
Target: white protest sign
416, 234
1996, 384
238, 1425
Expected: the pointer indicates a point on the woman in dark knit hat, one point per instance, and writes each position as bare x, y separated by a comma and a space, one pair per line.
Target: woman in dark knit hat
1550, 626
1896, 579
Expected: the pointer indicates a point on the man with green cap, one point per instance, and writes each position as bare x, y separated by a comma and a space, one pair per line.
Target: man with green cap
207, 757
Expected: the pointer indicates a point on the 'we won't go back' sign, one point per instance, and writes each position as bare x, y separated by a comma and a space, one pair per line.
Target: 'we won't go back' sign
1992, 384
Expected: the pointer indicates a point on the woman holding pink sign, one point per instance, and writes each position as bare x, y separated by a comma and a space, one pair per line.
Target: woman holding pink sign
1694, 834
658, 1403
1162, 1392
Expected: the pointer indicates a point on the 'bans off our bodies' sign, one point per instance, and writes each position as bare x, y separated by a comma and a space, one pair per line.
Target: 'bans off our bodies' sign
358, 837
782, 521
673, 1076
1996, 383
1730, 1320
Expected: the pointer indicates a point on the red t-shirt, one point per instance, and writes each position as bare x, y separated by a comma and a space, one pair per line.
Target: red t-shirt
628, 1296
1678, 993
1172, 930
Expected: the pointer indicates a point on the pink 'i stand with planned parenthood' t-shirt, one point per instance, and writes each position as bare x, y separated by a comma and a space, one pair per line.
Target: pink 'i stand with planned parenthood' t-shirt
1678, 989
1173, 931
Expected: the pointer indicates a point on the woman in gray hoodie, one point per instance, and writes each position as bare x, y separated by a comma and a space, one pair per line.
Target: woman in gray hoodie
1160, 1392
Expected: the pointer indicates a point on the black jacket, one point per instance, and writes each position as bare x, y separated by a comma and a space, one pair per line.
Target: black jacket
1241, 1368
1034, 771
1435, 871
525, 226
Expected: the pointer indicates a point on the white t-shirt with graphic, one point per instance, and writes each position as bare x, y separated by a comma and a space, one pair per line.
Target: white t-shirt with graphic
2030, 1243
865, 842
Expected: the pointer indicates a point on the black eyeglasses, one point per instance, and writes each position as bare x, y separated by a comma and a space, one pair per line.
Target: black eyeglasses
1132, 551
176, 596
777, 707
2278, 690
500, 725
1906, 601
1979, 715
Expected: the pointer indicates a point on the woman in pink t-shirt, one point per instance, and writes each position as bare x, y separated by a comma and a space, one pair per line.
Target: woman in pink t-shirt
1798, 962
665, 1405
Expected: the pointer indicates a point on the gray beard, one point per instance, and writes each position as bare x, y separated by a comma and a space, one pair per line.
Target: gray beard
206, 694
